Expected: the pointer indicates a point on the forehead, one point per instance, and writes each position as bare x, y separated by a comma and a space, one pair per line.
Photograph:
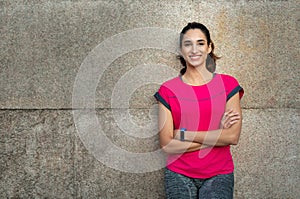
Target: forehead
194, 34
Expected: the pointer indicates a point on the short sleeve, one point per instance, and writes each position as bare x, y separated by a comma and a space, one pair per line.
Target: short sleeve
162, 96
232, 87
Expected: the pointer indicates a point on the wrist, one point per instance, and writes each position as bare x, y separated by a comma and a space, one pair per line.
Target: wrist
189, 136
182, 134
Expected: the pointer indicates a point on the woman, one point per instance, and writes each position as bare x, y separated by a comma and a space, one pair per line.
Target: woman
199, 118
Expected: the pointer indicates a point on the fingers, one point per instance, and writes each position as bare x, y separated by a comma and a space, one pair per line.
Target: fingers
230, 117
227, 113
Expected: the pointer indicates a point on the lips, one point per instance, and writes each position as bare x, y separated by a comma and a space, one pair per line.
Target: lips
195, 57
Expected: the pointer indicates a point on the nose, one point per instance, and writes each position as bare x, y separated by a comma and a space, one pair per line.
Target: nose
195, 48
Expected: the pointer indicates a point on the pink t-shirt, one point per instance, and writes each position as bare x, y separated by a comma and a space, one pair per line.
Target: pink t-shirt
199, 108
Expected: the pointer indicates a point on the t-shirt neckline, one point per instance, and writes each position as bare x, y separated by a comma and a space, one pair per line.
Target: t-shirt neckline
181, 80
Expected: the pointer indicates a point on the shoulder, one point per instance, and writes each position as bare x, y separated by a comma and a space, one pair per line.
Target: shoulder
232, 86
172, 81
173, 87
166, 90
228, 79
171, 84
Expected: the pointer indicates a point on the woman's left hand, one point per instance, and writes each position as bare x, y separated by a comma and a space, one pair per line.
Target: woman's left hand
229, 118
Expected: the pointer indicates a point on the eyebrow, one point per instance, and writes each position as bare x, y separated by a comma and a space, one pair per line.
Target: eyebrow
199, 40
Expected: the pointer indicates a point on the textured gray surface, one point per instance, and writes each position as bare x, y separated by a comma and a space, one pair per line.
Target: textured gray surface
267, 157
42, 155
43, 47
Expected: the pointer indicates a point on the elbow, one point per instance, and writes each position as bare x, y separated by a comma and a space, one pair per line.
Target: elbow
167, 145
235, 139
234, 135
165, 148
234, 142
168, 149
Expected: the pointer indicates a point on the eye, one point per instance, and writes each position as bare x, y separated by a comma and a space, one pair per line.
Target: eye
187, 44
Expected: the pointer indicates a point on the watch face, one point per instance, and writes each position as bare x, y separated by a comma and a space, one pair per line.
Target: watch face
182, 130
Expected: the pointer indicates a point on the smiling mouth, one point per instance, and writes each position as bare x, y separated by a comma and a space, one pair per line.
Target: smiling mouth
195, 57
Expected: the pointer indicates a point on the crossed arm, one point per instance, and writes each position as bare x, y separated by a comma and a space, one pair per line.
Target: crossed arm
228, 134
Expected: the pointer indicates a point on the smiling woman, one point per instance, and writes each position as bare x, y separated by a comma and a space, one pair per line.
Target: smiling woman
205, 40
199, 118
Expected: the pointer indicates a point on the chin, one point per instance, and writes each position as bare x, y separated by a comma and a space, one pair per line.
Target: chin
195, 64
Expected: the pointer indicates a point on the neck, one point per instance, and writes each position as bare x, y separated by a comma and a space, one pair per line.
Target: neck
197, 76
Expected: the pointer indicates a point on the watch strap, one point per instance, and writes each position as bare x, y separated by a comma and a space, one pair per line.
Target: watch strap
182, 131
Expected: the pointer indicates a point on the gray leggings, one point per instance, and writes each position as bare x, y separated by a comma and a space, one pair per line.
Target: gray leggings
182, 187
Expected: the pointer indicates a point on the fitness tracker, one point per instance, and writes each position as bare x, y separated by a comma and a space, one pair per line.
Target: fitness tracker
182, 130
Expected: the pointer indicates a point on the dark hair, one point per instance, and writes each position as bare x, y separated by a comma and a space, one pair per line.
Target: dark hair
211, 59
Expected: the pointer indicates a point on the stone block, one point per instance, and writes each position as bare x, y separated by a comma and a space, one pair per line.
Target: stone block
37, 154
96, 180
44, 44
44, 155
267, 156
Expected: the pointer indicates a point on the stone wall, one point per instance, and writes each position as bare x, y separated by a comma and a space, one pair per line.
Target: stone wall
77, 75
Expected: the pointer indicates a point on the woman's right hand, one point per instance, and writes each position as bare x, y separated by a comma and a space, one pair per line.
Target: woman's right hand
229, 118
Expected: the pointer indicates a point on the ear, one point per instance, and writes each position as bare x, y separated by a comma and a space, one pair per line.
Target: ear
210, 47
180, 52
